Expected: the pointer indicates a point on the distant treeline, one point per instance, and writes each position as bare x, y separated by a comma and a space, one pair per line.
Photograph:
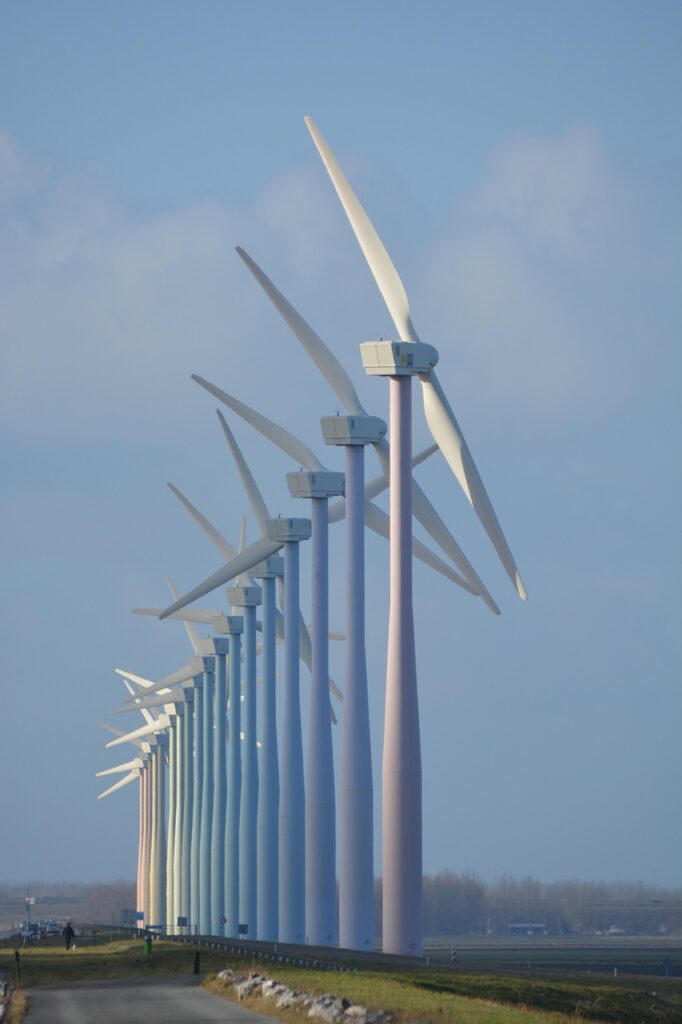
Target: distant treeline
454, 904
99, 902
464, 904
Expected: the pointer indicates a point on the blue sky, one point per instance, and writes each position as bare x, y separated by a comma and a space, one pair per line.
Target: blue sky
522, 163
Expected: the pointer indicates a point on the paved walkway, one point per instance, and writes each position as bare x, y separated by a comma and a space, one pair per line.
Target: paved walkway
167, 1001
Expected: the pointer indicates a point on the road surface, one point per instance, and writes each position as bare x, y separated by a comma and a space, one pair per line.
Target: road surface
167, 1001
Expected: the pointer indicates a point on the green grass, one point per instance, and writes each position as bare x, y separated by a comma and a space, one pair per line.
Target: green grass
449, 996
406, 1001
53, 965
440, 996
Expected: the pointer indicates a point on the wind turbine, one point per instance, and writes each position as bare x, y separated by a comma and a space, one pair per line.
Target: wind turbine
144, 748
160, 854
402, 844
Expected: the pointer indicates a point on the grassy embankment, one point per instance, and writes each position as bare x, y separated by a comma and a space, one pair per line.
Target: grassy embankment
440, 996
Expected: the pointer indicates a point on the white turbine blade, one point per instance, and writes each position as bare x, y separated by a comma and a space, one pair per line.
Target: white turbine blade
378, 521
242, 535
380, 483
436, 528
222, 543
326, 362
256, 552
129, 687
380, 263
192, 635
159, 725
137, 706
140, 680
119, 785
253, 494
447, 434
205, 618
181, 675
157, 700
439, 415
127, 767
119, 732
298, 450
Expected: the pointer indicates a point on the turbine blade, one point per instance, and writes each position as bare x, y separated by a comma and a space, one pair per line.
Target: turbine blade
127, 767
159, 725
297, 449
204, 617
253, 494
222, 543
140, 680
377, 520
119, 785
424, 511
439, 415
255, 553
242, 535
446, 432
160, 699
327, 363
119, 732
380, 263
181, 675
192, 635
380, 483
138, 705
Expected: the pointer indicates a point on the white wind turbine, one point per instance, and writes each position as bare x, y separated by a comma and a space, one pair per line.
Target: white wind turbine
144, 749
402, 869
173, 703
138, 768
157, 816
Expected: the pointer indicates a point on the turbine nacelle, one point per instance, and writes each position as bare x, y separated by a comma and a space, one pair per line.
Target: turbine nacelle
397, 358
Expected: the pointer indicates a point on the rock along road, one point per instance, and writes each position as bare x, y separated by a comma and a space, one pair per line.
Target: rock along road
164, 1001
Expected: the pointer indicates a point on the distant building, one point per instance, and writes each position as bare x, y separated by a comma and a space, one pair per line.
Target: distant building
528, 928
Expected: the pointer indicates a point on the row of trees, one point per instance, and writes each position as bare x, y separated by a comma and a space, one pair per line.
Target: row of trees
463, 904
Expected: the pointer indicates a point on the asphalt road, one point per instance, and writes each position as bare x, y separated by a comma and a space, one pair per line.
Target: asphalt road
167, 1001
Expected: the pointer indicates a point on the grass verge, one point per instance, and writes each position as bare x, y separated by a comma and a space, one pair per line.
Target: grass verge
440, 996
17, 1007
377, 992
445, 997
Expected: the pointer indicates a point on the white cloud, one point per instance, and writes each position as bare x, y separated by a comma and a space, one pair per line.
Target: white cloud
514, 277
20, 174
107, 309
560, 190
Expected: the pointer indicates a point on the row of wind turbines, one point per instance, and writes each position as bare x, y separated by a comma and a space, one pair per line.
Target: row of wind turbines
237, 827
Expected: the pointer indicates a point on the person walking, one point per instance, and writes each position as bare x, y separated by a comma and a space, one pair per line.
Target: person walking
68, 934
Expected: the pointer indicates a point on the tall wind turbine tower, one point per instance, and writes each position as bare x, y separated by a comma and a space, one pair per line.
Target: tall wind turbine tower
400, 361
